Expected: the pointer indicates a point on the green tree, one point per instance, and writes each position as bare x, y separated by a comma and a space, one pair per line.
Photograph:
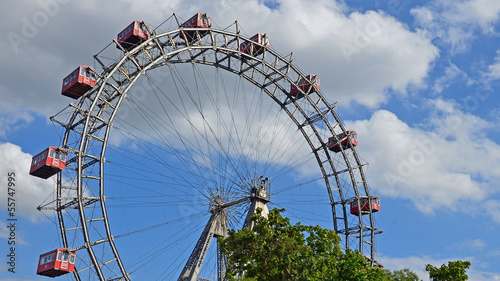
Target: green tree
277, 250
454, 271
401, 275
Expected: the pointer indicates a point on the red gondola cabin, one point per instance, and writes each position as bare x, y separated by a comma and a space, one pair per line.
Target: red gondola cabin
200, 20
346, 141
364, 207
48, 162
133, 35
249, 47
78, 82
56, 263
308, 84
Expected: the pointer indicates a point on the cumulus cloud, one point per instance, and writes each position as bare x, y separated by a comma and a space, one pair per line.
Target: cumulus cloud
455, 23
30, 191
359, 56
436, 167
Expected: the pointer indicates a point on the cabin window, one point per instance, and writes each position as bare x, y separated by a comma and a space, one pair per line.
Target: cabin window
51, 153
42, 260
59, 256
87, 73
37, 159
65, 257
62, 156
72, 259
67, 80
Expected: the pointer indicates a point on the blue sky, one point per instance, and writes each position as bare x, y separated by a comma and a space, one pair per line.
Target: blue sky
418, 81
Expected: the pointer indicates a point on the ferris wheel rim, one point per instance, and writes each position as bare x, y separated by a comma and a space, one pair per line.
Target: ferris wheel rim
154, 39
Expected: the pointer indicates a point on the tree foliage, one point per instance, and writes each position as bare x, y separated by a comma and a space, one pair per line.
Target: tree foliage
454, 271
277, 250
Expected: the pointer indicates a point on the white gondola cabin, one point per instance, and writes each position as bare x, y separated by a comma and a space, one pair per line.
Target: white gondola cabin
56, 263
133, 35
200, 20
346, 140
48, 162
364, 205
249, 47
78, 82
307, 84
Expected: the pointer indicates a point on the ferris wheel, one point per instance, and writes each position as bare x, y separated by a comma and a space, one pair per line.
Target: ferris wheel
177, 133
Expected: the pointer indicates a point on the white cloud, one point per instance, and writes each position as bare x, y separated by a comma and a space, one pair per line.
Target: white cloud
492, 208
451, 74
414, 263
5, 233
344, 48
483, 12
493, 72
12, 119
30, 191
417, 265
436, 168
359, 56
456, 22
222, 122
476, 245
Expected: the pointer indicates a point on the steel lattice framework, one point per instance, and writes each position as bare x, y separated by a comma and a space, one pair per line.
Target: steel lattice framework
81, 201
